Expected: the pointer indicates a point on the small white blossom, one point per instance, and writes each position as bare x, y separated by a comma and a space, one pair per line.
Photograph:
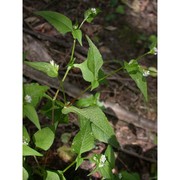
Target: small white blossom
28, 98
146, 73
25, 141
120, 176
54, 65
93, 10
102, 161
52, 62
155, 50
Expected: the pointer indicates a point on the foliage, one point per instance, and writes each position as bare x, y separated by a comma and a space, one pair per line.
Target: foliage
94, 125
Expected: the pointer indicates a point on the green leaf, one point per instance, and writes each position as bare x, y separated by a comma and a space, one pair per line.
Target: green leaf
26, 137
51, 69
136, 73
84, 140
44, 138
87, 74
35, 92
153, 41
94, 59
102, 166
30, 112
89, 101
52, 175
129, 176
28, 151
77, 34
101, 128
110, 156
90, 67
25, 174
79, 161
106, 171
61, 175
62, 23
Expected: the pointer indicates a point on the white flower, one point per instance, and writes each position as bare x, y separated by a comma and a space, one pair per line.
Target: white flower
146, 73
52, 62
102, 161
93, 10
155, 50
28, 98
25, 141
54, 65
120, 176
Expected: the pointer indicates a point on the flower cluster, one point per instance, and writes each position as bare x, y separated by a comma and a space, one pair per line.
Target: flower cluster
25, 141
155, 50
146, 73
93, 10
28, 98
54, 65
102, 160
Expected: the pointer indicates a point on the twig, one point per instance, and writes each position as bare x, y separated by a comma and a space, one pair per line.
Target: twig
138, 156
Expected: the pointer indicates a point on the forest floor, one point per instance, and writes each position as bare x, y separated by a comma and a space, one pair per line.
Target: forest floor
117, 42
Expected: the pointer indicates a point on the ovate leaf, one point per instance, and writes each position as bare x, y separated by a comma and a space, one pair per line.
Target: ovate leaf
44, 138
89, 101
110, 156
25, 174
94, 59
136, 73
61, 175
26, 137
102, 166
48, 68
62, 23
79, 161
33, 93
84, 140
106, 171
52, 175
87, 74
30, 112
77, 34
28, 151
129, 176
91, 66
101, 128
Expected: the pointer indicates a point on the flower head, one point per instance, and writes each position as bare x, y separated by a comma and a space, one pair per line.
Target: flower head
93, 10
155, 50
146, 73
54, 65
28, 98
102, 160
25, 141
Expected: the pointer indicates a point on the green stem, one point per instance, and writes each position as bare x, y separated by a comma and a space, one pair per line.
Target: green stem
69, 166
61, 82
82, 22
140, 57
71, 61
